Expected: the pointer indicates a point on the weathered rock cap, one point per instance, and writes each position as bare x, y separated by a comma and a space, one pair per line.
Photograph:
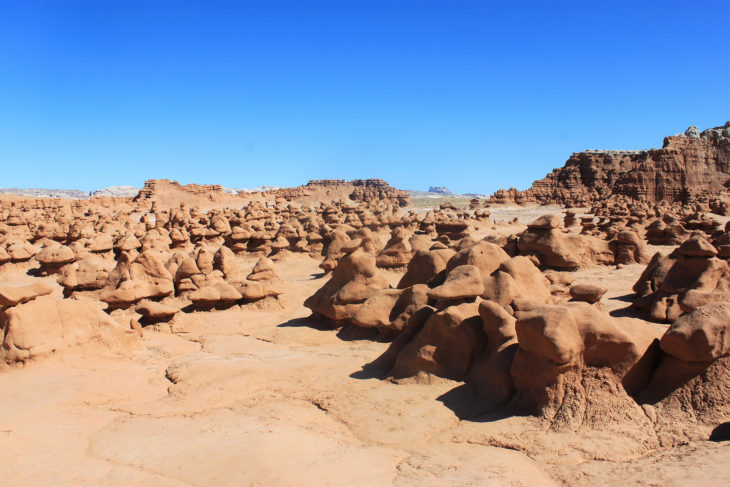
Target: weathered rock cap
376, 312
56, 255
498, 324
545, 222
590, 293
127, 243
214, 294
697, 247
629, 237
438, 246
155, 310
12, 296
263, 271
700, 336
464, 281
354, 244
20, 251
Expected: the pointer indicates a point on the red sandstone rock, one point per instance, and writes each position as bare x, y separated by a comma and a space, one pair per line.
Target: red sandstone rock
685, 166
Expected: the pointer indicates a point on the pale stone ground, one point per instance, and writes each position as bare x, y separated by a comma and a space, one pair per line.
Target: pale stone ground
246, 397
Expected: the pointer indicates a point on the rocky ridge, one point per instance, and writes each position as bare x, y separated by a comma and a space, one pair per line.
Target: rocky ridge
694, 166
356, 190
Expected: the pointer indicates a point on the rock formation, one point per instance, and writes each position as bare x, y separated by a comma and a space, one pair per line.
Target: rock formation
687, 166
353, 281
46, 324
358, 190
682, 281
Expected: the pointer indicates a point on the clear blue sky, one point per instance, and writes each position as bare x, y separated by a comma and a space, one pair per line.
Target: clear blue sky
471, 95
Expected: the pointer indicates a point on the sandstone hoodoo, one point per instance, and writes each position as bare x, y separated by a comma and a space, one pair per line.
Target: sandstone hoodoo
502, 316
560, 250
682, 281
167, 252
262, 282
353, 281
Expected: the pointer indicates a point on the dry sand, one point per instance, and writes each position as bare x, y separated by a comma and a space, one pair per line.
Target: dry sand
250, 397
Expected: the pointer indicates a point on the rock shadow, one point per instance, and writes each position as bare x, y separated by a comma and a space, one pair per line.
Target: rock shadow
721, 432
148, 321
370, 373
469, 405
308, 321
626, 298
351, 333
627, 312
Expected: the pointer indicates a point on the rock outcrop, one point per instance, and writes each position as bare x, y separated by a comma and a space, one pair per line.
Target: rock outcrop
358, 190
354, 280
682, 281
45, 324
687, 166
554, 248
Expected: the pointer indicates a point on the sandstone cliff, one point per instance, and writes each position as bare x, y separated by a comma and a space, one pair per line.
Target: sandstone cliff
688, 166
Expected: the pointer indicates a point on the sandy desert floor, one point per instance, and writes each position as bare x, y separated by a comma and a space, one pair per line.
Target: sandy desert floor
250, 397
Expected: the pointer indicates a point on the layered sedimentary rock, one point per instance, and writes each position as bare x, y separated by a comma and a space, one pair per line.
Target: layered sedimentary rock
357, 190
154, 188
167, 193
687, 166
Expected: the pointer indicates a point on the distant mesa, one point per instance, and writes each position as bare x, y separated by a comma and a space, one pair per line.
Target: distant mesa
259, 189
437, 192
46, 193
75, 194
117, 192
